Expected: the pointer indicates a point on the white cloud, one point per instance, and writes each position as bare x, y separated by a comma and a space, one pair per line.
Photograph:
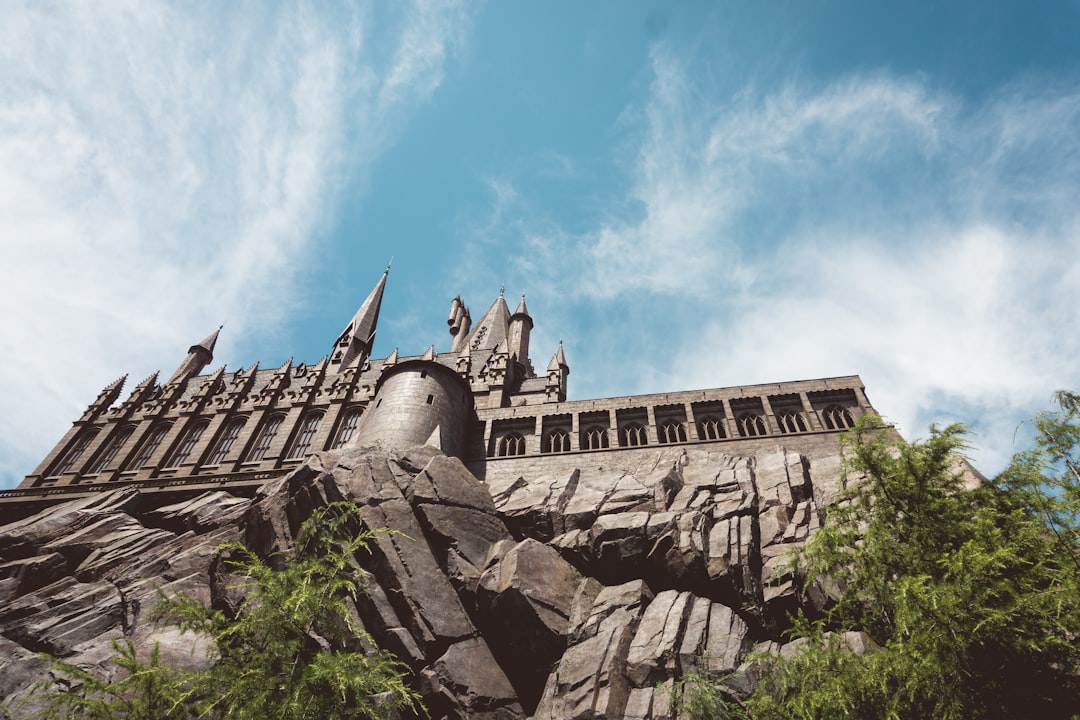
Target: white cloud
872, 226
162, 168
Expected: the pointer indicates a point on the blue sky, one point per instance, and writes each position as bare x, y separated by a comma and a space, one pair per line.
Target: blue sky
692, 195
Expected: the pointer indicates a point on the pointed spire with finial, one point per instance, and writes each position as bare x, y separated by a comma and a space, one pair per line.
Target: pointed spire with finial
358, 336
558, 361
520, 326
198, 357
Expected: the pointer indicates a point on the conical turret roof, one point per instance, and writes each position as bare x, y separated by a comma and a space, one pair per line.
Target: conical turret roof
359, 334
208, 343
492, 328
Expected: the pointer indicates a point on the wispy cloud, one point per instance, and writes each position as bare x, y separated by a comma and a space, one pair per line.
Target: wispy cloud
162, 168
874, 225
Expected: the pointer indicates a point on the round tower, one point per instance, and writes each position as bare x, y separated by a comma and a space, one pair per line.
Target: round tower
521, 324
418, 402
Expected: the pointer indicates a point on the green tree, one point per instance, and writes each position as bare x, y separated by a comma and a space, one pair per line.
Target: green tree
145, 691
292, 649
971, 592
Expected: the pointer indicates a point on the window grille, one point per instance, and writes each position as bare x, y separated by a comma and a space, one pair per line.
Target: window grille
348, 427
557, 441
838, 418
596, 438
710, 428
76, 451
511, 444
184, 451
672, 431
112, 449
634, 434
266, 438
149, 446
307, 434
226, 441
751, 425
791, 422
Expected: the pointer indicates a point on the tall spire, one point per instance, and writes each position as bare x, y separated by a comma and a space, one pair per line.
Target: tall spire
520, 326
199, 356
359, 335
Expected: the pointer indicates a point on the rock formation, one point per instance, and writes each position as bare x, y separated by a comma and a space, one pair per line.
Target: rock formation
582, 595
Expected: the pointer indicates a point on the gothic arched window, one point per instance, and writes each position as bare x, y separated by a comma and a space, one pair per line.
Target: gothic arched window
710, 428
115, 443
150, 446
266, 438
557, 441
348, 427
76, 451
511, 444
791, 422
226, 441
190, 438
750, 425
308, 429
633, 435
595, 438
837, 418
672, 431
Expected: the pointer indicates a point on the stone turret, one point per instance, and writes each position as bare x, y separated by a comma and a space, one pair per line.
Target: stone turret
557, 372
198, 357
521, 325
418, 402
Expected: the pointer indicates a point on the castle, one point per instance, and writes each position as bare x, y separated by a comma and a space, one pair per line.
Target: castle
482, 401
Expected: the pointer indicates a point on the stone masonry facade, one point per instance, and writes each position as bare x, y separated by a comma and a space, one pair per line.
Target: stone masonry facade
481, 401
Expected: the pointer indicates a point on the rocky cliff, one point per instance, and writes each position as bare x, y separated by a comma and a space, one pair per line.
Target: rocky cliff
585, 595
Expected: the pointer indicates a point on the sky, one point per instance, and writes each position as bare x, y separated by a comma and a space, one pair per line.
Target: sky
692, 195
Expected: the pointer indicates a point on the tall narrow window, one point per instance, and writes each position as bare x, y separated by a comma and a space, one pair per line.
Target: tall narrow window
226, 441
307, 433
634, 434
710, 428
672, 431
191, 437
557, 441
511, 444
266, 438
149, 446
838, 418
596, 438
117, 441
348, 427
791, 422
76, 451
750, 425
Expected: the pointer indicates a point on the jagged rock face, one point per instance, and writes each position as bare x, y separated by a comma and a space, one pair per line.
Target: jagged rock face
585, 595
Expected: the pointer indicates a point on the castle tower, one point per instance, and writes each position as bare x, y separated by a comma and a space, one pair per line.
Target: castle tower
521, 324
557, 372
354, 343
198, 357
418, 402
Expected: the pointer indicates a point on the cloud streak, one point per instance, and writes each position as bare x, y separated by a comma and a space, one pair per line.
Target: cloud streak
873, 225
163, 168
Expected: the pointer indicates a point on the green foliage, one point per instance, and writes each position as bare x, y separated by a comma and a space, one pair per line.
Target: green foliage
972, 593
291, 650
698, 697
146, 691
